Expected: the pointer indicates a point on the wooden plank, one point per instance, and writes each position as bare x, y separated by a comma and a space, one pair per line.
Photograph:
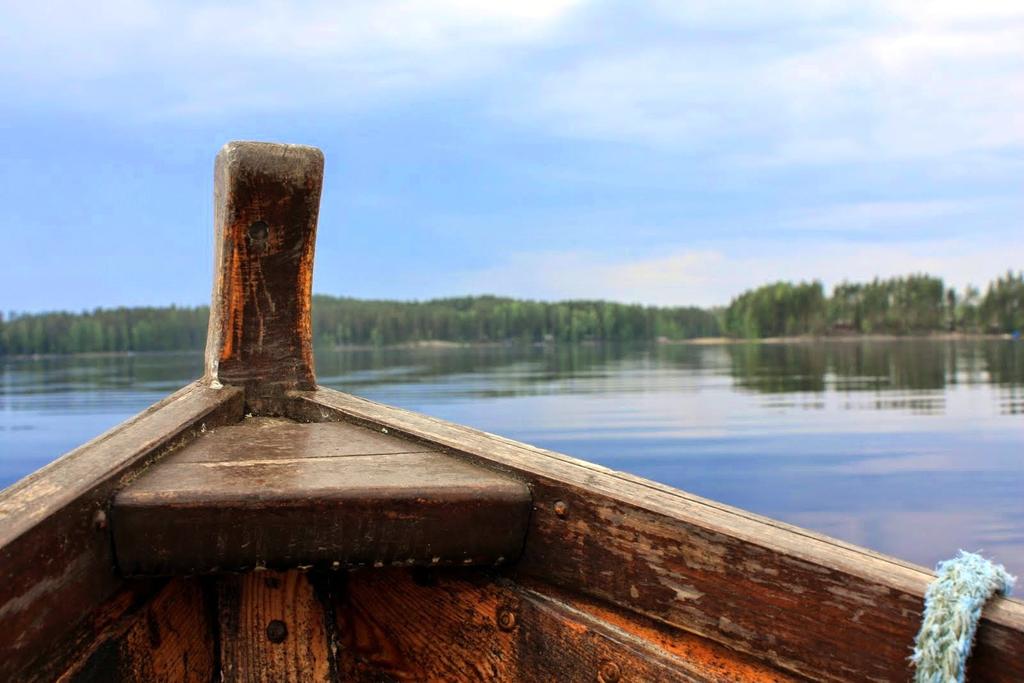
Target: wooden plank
815, 606
287, 500
559, 642
267, 198
108, 622
56, 559
272, 628
708, 660
462, 626
171, 639
268, 439
388, 626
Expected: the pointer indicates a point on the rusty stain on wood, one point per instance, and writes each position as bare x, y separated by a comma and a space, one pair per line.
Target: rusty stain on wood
266, 202
715, 662
391, 626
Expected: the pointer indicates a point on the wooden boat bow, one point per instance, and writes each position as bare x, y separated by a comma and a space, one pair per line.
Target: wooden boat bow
256, 527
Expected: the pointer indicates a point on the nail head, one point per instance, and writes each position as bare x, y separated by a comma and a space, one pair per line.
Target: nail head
277, 631
506, 619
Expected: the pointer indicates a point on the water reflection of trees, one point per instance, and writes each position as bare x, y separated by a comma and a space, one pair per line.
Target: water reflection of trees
509, 369
162, 372
778, 368
900, 374
903, 365
516, 370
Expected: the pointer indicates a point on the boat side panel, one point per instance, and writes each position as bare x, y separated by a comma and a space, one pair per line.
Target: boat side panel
107, 622
170, 639
469, 626
798, 600
454, 625
56, 556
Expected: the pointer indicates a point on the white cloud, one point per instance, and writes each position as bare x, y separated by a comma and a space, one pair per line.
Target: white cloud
673, 277
796, 81
185, 57
808, 82
883, 215
713, 276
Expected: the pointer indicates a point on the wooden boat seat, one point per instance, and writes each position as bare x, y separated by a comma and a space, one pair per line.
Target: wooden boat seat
272, 492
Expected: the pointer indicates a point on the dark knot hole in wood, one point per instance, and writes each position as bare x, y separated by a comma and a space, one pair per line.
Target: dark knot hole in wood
258, 232
277, 631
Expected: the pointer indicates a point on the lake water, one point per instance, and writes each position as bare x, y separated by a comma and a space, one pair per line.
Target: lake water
914, 448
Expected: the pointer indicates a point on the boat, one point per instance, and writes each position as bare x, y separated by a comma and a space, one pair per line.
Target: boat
254, 526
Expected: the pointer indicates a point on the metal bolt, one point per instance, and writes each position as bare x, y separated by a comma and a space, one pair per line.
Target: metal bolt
99, 520
609, 673
277, 631
561, 509
506, 619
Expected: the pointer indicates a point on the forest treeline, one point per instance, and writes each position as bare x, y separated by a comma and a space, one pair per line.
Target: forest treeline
346, 321
904, 305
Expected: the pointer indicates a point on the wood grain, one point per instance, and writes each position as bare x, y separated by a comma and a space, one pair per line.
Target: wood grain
93, 634
817, 607
461, 626
248, 604
266, 203
388, 625
269, 440
709, 660
169, 640
172, 640
56, 559
273, 493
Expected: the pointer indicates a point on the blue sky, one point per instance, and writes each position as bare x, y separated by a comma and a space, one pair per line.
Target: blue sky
666, 152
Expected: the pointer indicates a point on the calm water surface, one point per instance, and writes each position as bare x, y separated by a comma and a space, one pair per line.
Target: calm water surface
914, 448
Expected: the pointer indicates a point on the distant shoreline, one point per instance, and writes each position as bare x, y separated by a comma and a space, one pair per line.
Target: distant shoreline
696, 341
813, 339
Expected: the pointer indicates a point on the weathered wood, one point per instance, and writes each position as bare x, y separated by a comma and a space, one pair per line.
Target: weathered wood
461, 626
272, 628
170, 640
708, 660
446, 630
277, 440
267, 198
56, 559
812, 605
109, 621
274, 493
173, 640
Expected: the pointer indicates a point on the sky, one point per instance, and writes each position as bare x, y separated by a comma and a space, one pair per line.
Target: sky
663, 152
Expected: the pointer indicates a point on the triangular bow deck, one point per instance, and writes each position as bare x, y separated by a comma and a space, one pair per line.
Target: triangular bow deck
271, 492
256, 527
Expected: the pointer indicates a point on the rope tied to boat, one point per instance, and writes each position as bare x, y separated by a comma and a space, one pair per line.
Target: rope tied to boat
952, 608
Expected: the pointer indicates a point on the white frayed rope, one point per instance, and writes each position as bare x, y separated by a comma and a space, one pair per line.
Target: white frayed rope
952, 608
